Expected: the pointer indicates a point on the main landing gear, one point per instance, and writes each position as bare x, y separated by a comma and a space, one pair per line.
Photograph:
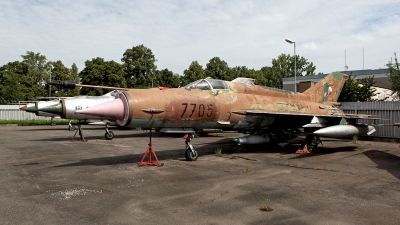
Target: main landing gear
310, 143
70, 126
109, 135
190, 153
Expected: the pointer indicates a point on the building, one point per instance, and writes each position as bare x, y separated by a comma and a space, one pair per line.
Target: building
381, 77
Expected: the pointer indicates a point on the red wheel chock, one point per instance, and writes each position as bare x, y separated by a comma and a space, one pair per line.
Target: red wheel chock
150, 162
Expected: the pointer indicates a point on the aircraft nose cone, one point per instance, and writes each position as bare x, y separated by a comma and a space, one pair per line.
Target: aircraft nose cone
54, 109
31, 109
113, 110
23, 107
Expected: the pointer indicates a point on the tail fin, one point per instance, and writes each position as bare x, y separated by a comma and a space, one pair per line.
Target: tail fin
328, 89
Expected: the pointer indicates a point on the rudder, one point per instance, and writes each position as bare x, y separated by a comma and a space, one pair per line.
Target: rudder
327, 89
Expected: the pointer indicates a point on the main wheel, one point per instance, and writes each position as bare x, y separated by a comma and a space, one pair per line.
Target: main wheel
71, 128
53, 123
109, 135
191, 156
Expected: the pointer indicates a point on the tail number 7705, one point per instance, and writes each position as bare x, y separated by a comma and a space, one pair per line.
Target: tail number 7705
201, 109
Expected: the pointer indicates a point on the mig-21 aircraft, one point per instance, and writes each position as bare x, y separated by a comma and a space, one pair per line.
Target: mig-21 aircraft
267, 114
66, 109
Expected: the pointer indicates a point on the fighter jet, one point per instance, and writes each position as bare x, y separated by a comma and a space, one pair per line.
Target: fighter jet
32, 108
66, 108
265, 113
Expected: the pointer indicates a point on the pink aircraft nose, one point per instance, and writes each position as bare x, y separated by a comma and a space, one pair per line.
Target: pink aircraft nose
113, 110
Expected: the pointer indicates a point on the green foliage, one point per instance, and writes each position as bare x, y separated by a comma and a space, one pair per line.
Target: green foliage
394, 73
265, 207
167, 79
357, 91
218, 69
139, 66
74, 76
101, 73
242, 71
18, 83
58, 72
193, 73
38, 66
27, 80
283, 66
273, 77
247, 170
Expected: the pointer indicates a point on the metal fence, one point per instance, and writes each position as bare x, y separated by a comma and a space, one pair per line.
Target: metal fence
385, 110
12, 112
389, 111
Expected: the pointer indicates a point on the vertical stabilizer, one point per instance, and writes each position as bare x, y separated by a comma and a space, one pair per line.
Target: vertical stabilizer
327, 89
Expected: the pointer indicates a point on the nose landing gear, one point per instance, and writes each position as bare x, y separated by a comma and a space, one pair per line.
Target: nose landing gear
190, 154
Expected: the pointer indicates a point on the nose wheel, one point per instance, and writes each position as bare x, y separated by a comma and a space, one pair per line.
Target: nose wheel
190, 154
109, 135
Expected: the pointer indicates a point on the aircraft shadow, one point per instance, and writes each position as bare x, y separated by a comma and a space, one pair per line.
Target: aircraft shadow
385, 161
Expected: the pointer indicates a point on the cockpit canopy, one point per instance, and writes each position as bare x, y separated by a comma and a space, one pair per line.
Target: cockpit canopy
208, 84
112, 93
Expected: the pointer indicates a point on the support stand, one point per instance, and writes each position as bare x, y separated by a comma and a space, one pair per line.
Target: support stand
82, 138
150, 152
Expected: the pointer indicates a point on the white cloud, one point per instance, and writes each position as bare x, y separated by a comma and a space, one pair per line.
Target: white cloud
243, 33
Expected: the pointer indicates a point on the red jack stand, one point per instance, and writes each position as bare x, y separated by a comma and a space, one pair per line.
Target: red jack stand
150, 151
303, 151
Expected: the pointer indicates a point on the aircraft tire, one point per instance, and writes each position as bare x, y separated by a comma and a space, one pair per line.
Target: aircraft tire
53, 123
71, 128
109, 135
191, 156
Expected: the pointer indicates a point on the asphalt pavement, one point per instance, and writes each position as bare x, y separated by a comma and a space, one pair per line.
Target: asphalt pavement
46, 178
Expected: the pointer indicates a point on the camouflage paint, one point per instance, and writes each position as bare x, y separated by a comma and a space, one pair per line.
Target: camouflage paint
243, 106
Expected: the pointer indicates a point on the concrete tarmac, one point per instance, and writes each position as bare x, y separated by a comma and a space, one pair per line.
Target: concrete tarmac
45, 178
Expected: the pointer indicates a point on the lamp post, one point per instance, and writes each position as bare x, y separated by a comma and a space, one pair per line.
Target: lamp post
292, 42
50, 85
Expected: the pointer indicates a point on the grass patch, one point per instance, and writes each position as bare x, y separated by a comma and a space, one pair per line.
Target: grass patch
219, 153
265, 207
247, 170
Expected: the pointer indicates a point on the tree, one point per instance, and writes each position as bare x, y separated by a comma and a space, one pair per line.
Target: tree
102, 73
38, 73
357, 91
59, 72
15, 84
74, 76
166, 78
283, 66
243, 71
193, 73
273, 79
394, 73
38, 66
139, 66
23, 81
218, 69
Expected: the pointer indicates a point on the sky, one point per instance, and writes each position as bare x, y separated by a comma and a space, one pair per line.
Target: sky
361, 34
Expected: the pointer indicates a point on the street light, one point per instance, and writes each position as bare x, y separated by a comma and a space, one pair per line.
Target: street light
292, 42
50, 82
